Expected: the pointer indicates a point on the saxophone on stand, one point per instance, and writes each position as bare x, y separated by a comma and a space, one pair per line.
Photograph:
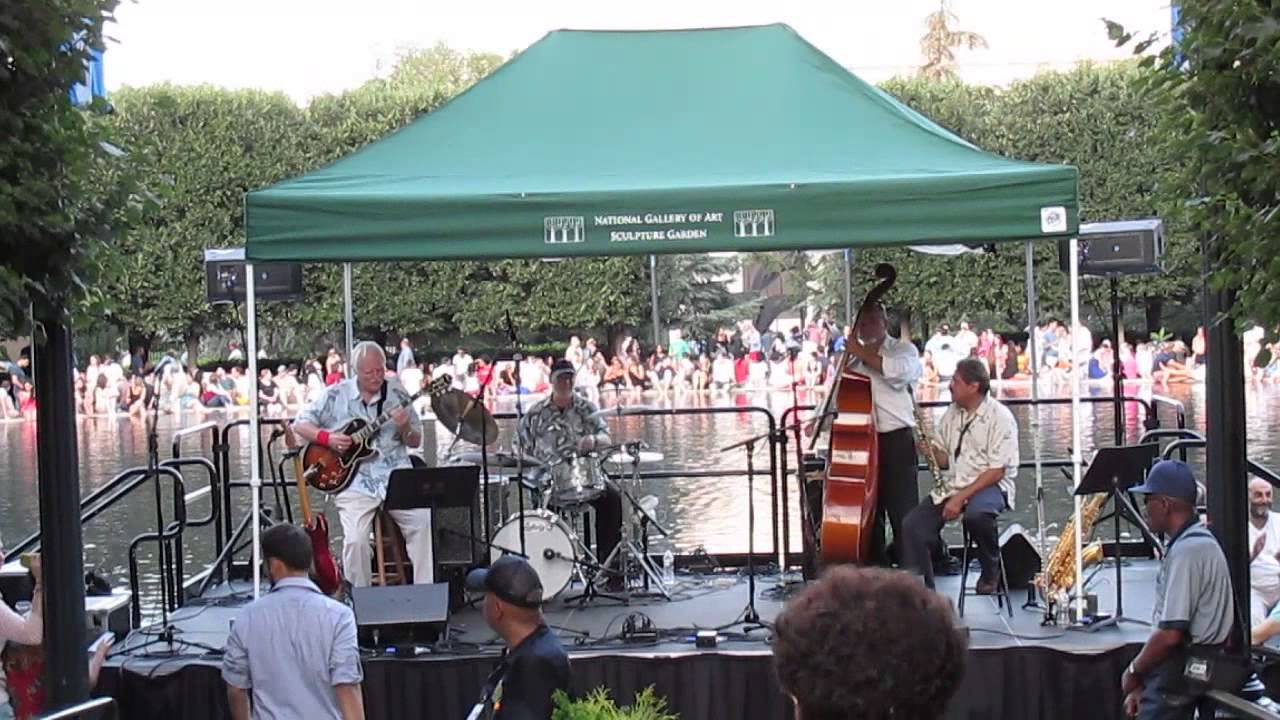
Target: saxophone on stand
1058, 578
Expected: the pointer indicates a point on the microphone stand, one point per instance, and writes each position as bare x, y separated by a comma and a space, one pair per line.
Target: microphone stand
750, 618
153, 471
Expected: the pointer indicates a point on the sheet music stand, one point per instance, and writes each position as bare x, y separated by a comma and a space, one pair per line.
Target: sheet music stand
449, 486
1114, 470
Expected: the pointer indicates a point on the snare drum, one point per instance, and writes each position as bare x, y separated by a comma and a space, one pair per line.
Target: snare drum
576, 480
549, 544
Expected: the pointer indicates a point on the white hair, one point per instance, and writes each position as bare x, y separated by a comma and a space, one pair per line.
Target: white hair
364, 349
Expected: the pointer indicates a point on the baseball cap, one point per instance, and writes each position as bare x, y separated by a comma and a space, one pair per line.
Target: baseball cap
1171, 478
510, 578
560, 367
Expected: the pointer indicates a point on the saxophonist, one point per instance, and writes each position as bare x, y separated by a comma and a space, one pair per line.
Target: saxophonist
977, 446
893, 366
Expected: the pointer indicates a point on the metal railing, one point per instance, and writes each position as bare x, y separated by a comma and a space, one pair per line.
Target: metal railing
169, 544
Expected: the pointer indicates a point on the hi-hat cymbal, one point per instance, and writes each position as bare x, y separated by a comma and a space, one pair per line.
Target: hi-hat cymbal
645, 456
620, 410
498, 459
465, 417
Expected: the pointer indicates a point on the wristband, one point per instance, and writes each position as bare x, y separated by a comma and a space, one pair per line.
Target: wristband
322, 437
1133, 669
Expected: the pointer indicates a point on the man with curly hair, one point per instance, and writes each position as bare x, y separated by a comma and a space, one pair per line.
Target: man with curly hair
835, 660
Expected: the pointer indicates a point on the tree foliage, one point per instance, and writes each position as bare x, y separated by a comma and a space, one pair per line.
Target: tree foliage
940, 41
1217, 92
64, 196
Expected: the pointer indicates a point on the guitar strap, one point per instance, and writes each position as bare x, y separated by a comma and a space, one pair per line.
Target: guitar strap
382, 399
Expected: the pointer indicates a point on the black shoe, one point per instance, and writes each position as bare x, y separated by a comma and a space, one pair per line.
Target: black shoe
947, 566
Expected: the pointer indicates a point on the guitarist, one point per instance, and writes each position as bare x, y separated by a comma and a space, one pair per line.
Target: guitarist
364, 396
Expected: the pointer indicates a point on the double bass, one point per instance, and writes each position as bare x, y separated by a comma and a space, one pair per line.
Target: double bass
850, 488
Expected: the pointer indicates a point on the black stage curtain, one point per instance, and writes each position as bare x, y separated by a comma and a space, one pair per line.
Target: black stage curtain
1015, 683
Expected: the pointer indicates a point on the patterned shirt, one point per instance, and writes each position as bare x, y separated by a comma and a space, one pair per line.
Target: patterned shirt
549, 433
289, 648
342, 403
987, 438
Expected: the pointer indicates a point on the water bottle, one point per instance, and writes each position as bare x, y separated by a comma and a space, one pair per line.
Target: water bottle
668, 568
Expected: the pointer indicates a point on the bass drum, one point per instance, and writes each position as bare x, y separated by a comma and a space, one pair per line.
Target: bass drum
548, 543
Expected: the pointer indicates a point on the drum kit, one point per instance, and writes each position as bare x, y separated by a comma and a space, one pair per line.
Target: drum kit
551, 501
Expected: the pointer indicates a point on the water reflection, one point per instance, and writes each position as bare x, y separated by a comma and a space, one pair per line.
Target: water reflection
708, 513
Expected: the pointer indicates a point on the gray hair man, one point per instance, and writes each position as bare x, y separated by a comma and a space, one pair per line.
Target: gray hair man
365, 397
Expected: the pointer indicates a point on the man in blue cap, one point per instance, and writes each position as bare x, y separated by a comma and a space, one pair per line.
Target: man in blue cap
1193, 604
534, 665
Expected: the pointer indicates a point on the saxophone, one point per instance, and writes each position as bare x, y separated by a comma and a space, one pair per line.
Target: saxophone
1058, 577
924, 426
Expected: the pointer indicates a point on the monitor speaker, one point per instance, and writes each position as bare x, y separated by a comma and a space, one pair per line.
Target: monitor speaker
1021, 559
1129, 247
225, 281
400, 613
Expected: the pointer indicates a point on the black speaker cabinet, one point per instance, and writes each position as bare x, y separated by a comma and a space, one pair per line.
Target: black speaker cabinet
1021, 559
1127, 247
225, 281
398, 613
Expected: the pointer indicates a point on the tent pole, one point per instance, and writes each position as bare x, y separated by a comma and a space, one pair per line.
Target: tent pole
653, 298
1076, 453
255, 480
848, 286
347, 316
1033, 353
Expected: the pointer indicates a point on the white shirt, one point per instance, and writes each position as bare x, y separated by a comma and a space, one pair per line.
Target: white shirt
889, 389
1264, 571
990, 441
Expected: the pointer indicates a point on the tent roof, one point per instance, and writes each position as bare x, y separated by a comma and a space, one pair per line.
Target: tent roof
612, 143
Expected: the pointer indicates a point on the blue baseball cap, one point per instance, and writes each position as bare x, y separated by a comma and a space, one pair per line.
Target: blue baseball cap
1171, 478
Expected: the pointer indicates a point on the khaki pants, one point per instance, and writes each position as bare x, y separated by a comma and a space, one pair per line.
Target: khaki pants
356, 512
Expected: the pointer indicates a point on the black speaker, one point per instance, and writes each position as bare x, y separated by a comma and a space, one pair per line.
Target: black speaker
225, 281
1021, 559
1129, 247
399, 613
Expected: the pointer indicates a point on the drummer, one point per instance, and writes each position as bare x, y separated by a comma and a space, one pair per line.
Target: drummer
563, 426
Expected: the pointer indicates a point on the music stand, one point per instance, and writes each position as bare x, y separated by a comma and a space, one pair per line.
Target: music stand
1114, 470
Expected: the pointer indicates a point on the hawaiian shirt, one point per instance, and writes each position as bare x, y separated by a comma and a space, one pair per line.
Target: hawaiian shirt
341, 403
549, 433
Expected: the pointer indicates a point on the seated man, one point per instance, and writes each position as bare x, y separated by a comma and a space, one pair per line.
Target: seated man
835, 660
978, 453
1264, 544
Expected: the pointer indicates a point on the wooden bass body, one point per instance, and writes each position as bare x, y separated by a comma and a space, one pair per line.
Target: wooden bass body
850, 491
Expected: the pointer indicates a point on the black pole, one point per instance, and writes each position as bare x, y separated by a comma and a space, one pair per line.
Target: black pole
1226, 480
66, 670
1117, 384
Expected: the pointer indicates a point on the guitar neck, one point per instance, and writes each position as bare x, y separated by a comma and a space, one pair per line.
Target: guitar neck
303, 500
435, 387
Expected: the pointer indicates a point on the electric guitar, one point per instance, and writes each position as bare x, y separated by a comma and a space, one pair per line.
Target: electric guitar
328, 579
330, 471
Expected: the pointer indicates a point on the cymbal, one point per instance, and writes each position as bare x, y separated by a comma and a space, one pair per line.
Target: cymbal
646, 456
498, 459
620, 410
477, 426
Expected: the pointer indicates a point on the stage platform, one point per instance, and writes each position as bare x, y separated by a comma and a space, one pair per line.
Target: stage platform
1016, 669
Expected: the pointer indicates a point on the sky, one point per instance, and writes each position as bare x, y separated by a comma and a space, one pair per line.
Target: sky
311, 47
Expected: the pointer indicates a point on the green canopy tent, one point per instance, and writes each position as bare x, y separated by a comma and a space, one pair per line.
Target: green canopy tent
627, 143
624, 143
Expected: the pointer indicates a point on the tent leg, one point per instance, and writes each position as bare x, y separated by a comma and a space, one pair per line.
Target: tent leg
1076, 454
653, 299
848, 286
1033, 353
255, 478
347, 316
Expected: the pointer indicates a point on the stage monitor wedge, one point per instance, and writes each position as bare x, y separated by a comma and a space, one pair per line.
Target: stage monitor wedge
225, 278
1126, 247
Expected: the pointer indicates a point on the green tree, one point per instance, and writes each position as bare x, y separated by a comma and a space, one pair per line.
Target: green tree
1218, 100
206, 147
65, 195
940, 40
